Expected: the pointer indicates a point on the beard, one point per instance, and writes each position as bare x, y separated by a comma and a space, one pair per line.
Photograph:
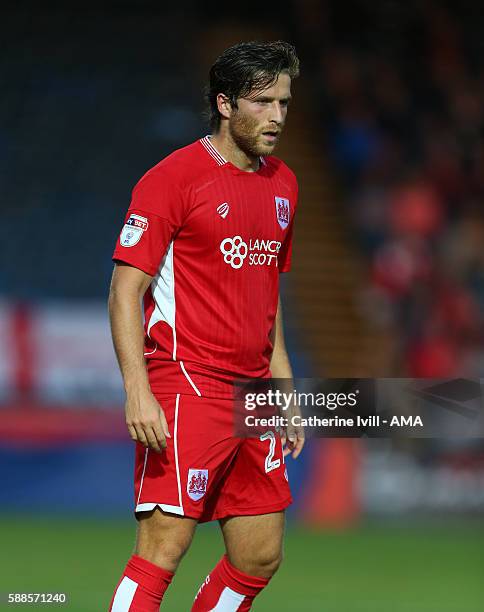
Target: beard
247, 136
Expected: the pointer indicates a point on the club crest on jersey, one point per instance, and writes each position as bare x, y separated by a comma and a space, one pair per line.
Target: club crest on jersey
282, 211
133, 230
197, 483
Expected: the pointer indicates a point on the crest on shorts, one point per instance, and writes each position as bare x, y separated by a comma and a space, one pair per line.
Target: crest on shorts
282, 211
197, 483
133, 230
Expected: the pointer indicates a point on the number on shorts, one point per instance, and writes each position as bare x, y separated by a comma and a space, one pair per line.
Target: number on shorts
271, 464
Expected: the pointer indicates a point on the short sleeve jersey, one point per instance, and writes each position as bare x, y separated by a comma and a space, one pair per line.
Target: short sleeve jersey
215, 239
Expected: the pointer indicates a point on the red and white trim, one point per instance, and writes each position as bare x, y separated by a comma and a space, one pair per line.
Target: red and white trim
142, 477
175, 433
229, 601
212, 150
163, 290
124, 595
153, 351
147, 506
189, 378
216, 155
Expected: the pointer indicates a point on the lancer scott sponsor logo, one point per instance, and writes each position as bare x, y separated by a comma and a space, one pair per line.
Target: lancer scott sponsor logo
253, 252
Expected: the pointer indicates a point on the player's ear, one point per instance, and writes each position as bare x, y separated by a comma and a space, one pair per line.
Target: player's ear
224, 106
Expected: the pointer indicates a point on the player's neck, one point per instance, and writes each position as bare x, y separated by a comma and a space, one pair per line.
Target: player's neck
229, 150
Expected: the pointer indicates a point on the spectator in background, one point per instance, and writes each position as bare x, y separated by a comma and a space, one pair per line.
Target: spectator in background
402, 101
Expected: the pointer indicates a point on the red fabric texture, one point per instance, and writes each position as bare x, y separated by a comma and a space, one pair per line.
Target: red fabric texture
215, 239
152, 583
203, 447
225, 575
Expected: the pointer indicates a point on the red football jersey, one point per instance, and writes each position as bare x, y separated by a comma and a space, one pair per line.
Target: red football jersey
214, 238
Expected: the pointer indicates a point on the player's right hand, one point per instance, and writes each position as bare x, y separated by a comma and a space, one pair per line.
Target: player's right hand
146, 420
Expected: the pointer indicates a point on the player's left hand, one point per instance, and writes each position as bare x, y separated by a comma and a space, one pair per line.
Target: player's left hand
293, 436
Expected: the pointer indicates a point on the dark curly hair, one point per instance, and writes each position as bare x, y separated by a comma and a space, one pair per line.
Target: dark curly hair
247, 67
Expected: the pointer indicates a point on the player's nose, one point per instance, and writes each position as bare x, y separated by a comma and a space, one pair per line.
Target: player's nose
276, 113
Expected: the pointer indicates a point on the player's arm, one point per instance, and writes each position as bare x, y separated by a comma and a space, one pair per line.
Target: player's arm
144, 416
281, 369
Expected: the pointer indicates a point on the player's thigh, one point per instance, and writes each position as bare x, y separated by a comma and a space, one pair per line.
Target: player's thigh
254, 541
161, 534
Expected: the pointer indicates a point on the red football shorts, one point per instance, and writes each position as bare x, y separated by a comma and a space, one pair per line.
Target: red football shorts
205, 472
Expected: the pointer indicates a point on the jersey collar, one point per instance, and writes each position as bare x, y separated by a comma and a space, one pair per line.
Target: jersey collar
221, 161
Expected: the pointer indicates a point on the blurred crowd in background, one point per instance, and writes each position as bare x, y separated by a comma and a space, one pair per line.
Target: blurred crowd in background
400, 98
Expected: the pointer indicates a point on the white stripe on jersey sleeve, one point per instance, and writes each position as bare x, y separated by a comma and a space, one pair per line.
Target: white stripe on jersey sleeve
163, 288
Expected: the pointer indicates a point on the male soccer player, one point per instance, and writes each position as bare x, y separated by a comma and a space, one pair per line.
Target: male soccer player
207, 233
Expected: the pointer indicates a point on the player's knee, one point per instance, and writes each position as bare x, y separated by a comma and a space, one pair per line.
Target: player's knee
270, 562
263, 563
165, 550
174, 549
163, 540
174, 541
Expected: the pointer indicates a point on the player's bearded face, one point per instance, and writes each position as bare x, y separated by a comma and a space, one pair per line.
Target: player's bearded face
257, 122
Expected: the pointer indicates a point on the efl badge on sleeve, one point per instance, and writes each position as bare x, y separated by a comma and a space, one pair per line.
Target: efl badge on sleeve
282, 211
133, 230
197, 483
